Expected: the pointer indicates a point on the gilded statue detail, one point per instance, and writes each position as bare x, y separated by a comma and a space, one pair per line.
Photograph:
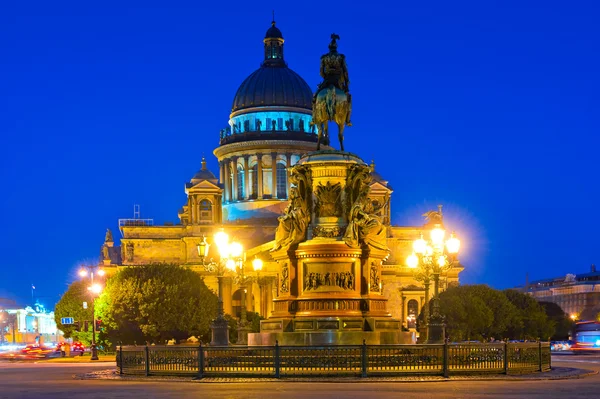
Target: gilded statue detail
328, 200
292, 224
364, 226
332, 100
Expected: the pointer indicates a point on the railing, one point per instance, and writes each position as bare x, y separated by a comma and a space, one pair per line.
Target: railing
357, 360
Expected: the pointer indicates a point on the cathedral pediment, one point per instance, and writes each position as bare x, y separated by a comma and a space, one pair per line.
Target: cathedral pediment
204, 185
377, 187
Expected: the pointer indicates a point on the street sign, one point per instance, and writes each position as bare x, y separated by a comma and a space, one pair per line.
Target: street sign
85, 305
66, 320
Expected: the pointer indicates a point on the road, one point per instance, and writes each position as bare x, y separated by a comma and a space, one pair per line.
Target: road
46, 380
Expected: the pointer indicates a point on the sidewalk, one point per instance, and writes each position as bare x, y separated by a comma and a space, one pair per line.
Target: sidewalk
557, 373
80, 359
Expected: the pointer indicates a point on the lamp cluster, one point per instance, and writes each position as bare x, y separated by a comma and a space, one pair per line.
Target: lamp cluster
435, 252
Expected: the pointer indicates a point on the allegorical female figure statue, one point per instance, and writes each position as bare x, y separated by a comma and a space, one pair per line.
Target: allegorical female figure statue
365, 228
292, 224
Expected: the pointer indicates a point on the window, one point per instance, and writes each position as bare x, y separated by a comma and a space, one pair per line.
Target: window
281, 181
413, 313
254, 194
205, 211
240, 183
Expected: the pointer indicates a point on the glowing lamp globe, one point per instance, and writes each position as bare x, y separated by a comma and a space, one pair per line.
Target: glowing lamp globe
101, 272
236, 250
441, 261
203, 248
412, 261
83, 273
437, 236
230, 264
257, 264
96, 288
453, 244
221, 239
419, 245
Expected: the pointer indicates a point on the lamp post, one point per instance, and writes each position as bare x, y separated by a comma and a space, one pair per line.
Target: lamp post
429, 259
95, 289
237, 265
231, 258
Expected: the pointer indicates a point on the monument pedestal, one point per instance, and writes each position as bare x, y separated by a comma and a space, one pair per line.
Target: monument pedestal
330, 247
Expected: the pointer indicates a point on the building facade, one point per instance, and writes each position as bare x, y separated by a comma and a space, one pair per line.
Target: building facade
269, 129
578, 295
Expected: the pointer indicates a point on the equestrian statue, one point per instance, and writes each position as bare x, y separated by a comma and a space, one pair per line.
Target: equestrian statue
332, 100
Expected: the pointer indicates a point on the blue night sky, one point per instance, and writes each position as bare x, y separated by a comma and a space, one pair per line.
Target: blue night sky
490, 108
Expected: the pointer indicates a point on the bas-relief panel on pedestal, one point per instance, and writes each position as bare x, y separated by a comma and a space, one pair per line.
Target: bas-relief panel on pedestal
328, 277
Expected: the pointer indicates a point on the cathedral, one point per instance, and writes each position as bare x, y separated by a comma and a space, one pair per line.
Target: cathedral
268, 131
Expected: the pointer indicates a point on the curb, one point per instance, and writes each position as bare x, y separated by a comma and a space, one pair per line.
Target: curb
569, 373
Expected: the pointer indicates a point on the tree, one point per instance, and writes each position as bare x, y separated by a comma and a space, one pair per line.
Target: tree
156, 303
563, 323
535, 323
71, 305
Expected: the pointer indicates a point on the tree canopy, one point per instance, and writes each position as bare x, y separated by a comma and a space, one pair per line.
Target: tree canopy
71, 305
478, 312
156, 303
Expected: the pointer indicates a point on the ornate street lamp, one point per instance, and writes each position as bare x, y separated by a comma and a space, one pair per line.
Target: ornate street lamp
429, 259
219, 326
95, 290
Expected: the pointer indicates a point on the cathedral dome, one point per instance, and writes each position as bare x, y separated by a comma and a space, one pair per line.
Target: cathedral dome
273, 84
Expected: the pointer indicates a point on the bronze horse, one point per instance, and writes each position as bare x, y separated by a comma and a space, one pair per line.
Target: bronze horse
332, 104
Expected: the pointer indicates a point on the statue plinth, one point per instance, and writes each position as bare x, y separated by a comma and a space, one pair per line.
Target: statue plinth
330, 245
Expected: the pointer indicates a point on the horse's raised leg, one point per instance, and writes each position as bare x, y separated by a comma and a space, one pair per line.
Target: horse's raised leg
326, 132
320, 132
341, 135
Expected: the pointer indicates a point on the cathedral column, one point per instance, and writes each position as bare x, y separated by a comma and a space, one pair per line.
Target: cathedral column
227, 295
227, 170
235, 179
246, 177
221, 172
274, 175
249, 298
192, 209
260, 175
402, 311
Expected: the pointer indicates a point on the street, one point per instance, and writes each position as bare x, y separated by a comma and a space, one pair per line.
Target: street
56, 380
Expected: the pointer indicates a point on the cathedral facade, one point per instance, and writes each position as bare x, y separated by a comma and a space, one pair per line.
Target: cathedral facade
269, 129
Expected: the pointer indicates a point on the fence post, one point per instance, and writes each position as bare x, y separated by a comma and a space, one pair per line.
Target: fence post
200, 362
445, 353
277, 360
121, 358
364, 363
147, 352
506, 356
540, 355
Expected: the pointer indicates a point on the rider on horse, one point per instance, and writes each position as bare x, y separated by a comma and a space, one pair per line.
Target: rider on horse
334, 73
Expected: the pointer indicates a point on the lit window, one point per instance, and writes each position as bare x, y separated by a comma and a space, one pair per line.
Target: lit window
205, 211
240, 183
281, 181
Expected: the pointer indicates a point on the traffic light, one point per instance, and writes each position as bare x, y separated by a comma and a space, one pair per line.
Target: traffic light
77, 326
86, 326
98, 324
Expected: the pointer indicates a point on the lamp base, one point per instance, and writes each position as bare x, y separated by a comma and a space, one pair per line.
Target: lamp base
436, 330
220, 331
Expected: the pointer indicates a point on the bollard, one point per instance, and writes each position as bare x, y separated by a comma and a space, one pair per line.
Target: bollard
147, 352
364, 358
277, 360
541, 368
121, 358
506, 356
445, 370
200, 362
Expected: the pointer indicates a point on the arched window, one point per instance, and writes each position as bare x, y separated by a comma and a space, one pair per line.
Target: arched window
413, 313
240, 183
281, 181
205, 211
254, 194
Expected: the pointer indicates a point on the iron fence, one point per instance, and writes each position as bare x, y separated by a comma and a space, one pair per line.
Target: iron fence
353, 360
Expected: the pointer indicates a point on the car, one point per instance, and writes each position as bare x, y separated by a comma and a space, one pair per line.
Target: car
77, 348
